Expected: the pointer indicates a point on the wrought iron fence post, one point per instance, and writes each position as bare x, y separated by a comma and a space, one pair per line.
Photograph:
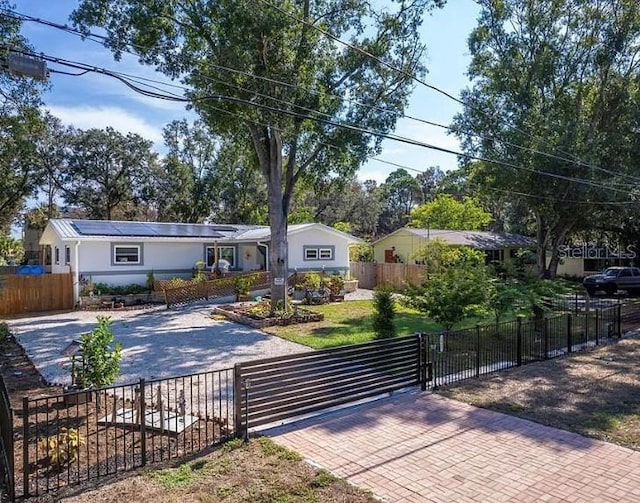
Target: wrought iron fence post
619, 315
545, 337
569, 334
143, 423
422, 359
519, 341
477, 350
25, 446
597, 326
237, 399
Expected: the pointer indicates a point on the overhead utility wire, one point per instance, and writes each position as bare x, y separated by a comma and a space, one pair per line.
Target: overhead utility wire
410, 141
414, 78
175, 98
103, 39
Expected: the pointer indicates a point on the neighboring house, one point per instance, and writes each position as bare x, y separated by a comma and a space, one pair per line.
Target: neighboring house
120, 253
402, 245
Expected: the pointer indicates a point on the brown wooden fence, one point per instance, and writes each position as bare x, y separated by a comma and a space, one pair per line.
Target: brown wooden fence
371, 274
35, 293
182, 292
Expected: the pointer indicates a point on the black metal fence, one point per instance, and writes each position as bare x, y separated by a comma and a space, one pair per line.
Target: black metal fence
6, 441
85, 435
274, 389
469, 353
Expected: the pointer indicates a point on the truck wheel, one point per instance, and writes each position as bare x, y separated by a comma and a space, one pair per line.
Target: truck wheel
591, 291
610, 289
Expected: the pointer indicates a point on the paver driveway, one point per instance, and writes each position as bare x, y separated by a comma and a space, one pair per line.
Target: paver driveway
420, 447
157, 343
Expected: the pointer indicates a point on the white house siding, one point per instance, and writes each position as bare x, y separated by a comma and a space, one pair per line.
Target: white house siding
322, 239
166, 260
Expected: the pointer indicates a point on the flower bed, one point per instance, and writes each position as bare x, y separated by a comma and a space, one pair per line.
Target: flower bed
257, 315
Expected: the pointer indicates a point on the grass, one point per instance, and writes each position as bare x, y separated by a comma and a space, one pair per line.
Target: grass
349, 323
259, 471
594, 393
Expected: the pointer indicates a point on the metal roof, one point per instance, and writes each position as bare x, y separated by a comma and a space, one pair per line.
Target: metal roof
96, 230
482, 240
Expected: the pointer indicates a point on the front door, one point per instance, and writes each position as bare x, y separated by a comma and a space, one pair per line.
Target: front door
388, 256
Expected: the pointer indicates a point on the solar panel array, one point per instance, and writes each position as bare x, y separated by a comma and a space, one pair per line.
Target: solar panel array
148, 229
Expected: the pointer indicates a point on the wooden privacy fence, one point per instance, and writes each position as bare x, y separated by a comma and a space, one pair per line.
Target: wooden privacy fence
371, 274
35, 293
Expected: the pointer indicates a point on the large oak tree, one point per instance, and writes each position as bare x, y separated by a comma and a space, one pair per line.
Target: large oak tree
264, 70
556, 88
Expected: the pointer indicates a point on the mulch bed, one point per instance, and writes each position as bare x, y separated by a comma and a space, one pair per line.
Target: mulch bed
253, 315
105, 449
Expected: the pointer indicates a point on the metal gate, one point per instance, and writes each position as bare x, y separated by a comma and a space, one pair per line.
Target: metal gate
276, 389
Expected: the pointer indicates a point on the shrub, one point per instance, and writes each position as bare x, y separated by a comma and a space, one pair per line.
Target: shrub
312, 281
336, 284
63, 447
384, 312
104, 289
101, 356
5, 333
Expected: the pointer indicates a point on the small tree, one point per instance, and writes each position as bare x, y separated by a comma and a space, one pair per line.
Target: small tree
384, 312
101, 356
452, 295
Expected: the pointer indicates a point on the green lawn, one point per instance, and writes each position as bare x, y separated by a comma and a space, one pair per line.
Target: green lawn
350, 323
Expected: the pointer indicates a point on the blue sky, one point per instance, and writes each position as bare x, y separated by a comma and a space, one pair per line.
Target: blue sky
98, 101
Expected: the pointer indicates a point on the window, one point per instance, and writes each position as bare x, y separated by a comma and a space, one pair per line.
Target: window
126, 254
67, 254
319, 253
227, 253
311, 254
56, 255
493, 257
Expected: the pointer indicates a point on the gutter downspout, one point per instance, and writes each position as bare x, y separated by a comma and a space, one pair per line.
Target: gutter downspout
266, 255
76, 279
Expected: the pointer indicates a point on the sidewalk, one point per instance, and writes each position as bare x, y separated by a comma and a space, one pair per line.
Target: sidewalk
420, 447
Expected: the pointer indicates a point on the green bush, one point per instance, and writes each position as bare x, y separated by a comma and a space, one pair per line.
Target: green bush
5, 333
101, 356
384, 312
312, 281
104, 289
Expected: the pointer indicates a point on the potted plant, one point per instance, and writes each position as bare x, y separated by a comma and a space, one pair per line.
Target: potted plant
241, 287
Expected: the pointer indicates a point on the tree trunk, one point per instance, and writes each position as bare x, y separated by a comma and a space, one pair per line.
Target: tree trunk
268, 146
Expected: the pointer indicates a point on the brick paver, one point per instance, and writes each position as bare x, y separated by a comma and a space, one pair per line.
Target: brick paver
417, 447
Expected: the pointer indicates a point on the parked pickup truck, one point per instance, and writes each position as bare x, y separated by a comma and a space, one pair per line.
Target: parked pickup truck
613, 279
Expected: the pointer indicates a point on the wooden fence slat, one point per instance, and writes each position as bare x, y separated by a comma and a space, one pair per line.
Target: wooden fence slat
35, 293
371, 274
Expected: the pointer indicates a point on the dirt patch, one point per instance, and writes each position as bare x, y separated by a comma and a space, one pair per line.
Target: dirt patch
257, 472
594, 393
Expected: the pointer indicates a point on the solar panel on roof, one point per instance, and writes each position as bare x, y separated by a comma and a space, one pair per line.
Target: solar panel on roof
95, 228
146, 229
133, 229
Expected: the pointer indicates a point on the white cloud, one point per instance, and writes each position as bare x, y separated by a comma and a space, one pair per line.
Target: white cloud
87, 116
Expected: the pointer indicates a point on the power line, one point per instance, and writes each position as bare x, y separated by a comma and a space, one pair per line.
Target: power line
331, 36
103, 40
410, 141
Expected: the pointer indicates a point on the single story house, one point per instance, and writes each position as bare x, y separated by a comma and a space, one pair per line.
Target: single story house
121, 253
402, 245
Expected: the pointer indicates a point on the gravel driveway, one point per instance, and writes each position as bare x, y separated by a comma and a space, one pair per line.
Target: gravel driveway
157, 343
